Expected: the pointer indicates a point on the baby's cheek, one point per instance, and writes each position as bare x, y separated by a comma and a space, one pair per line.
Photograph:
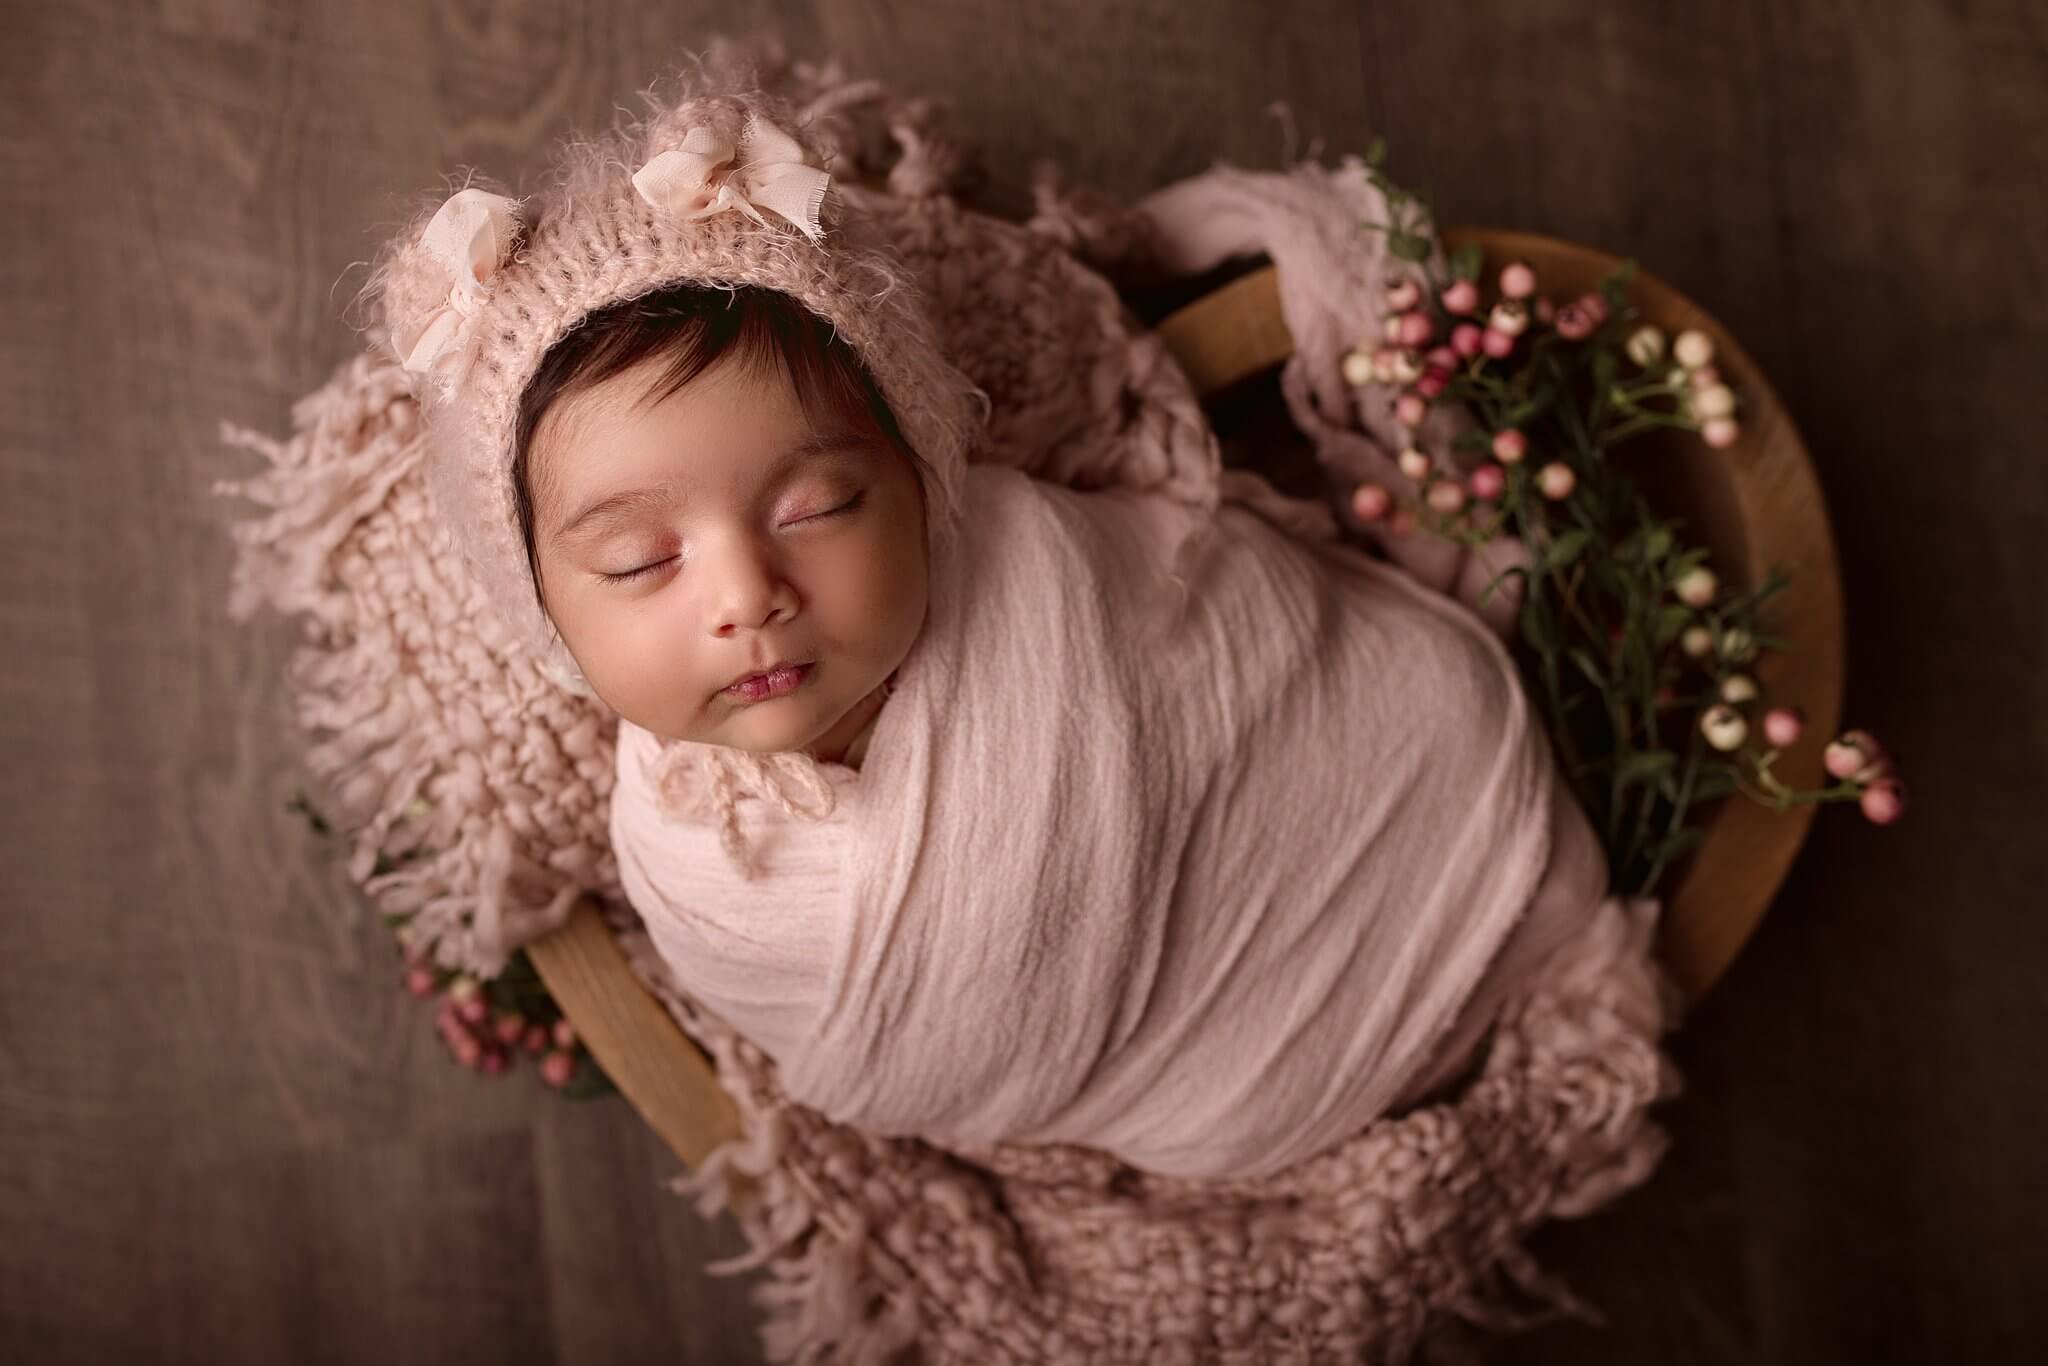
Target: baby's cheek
843, 597
638, 672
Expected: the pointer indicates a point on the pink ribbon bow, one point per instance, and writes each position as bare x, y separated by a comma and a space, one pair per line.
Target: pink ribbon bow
470, 237
705, 174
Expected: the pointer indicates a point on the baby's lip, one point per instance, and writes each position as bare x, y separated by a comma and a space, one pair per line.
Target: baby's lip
769, 668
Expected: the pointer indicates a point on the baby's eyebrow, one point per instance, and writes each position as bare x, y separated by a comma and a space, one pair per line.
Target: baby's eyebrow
613, 509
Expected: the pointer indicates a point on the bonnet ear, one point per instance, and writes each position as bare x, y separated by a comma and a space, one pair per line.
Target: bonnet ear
438, 281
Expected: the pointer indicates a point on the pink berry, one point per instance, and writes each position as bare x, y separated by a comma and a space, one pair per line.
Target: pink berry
1782, 726
1884, 801
510, 1027
1488, 482
1720, 432
1510, 446
1706, 377
1416, 329
1444, 357
1574, 323
1446, 495
1556, 481
1497, 343
1370, 502
1461, 298
564, 1034
535, 1040
1434, 381
1467, 339
494, 1060
1666, 695
1594, 305
1544, 310
1851, 753
1402, 523
463, 988
420, 981
1409, 410
473, 1011
467, 1050
1403, 295
1518, 280
558, 1068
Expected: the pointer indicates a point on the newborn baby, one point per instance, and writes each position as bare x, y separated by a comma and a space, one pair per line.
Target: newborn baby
1149, 818
1112, 866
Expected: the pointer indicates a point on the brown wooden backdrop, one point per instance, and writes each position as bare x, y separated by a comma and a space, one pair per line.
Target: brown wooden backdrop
225, 1137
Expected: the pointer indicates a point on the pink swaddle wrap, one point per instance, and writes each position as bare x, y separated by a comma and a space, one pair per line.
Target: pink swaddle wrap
1201, 880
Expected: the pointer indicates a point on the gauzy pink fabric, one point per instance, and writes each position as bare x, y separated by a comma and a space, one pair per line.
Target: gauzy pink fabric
1200, 874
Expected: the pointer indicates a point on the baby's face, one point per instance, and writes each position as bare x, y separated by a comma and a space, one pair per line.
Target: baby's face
716, 535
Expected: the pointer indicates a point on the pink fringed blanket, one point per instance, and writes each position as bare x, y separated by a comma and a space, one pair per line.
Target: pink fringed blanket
487, 791
1195, 870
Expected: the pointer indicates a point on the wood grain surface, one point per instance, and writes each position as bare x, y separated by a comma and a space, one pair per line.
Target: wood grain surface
226, 1136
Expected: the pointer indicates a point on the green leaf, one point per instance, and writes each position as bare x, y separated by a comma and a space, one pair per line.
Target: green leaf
1408, 246
299, 805
1676, 843
590, 1080
1376, 152
1645, 766
1588, 666
1671, 621
1495, 581
1615, 287
1603, 385
1678, 566
1714, 782
1467, 261
1530, 408
1657, 545
1537, 627
1473, 441
1565, 549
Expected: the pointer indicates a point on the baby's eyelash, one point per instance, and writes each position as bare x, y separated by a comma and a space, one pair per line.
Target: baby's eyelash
847, 506
634, 573
627, 575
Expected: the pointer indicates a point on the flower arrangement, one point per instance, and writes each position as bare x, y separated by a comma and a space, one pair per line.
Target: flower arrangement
1641, 657
487, 1024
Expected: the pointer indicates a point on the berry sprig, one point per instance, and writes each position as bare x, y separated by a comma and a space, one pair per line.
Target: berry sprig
486, 1023
1642, 660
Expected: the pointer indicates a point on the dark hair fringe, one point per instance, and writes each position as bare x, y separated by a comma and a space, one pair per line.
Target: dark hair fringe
693, 327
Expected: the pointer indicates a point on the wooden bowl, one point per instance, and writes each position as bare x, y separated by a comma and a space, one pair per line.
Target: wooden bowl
1755, 505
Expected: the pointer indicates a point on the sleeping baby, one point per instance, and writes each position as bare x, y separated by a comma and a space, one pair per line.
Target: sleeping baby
993, 809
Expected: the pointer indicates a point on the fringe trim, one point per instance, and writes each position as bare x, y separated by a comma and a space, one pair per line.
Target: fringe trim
463, 778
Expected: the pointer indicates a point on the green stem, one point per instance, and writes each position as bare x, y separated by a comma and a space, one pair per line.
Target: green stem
1643, 422
1648, 885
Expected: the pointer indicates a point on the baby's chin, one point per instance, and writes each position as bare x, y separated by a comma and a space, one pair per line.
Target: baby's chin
774, 726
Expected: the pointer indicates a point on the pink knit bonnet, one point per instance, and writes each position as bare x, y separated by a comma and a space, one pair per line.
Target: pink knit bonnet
722, 184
